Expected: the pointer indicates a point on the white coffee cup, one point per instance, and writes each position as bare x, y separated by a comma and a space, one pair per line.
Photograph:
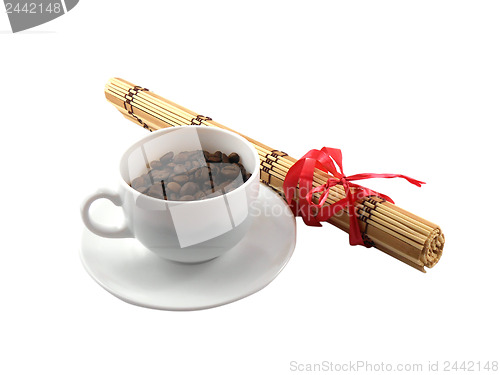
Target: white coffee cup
183, 231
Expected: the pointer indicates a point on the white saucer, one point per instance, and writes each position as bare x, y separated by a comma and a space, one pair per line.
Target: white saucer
132, 273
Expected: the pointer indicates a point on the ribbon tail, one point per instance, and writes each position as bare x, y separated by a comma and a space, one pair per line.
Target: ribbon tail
364, 176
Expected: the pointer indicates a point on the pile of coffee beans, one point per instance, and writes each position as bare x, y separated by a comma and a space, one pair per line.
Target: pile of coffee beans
192, 175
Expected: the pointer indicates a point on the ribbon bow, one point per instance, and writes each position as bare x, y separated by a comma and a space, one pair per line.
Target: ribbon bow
302, 172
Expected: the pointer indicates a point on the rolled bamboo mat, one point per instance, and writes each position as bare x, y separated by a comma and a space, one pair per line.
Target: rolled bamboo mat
399, 233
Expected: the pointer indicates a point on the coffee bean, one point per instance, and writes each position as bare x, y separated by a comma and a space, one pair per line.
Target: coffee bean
192, 175
195, 164
216, 157
163, 174
142, 189
158, 175
181, 179
180, 169
196, 155
138, 182
208, 185
174, 187
181, 157
156, 191
202, 174
230, 171
165, 159
234, 157
214, 169
155, 164
199, 195
189, 188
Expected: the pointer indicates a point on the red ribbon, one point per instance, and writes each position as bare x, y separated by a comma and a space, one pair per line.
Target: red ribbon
302, 172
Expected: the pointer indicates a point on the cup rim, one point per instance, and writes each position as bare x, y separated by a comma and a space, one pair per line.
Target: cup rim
255, 172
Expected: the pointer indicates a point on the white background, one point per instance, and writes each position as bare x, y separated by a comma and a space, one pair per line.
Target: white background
399, 86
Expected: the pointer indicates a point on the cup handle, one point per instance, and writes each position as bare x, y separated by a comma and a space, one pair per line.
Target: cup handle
101, 230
